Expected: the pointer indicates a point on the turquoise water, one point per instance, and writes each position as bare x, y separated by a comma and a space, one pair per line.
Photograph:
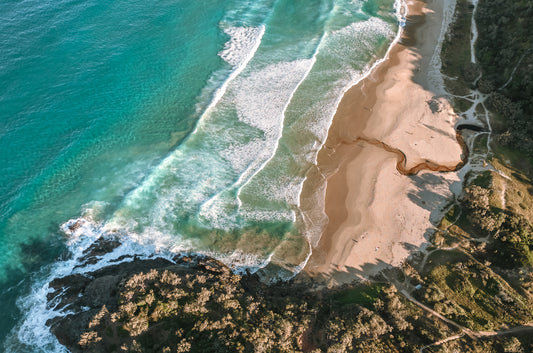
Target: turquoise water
178, 125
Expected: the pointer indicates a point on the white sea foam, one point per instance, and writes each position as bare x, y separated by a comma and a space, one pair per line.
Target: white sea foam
298, 268
289, 190
243, 41
240, 156
262, 96
32, 331
248, 13
340, 45
258, 215
357, 33
309, 64
241, 58
82, 235
261, 102
241, 262
315, 219
189, 178
260, 99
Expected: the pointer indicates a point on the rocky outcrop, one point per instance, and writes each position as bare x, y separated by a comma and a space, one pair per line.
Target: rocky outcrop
197, 304
85, 296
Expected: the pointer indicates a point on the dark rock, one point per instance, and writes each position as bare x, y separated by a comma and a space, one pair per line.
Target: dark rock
86, 294
66, 291
100, 247
101, 291
434, 105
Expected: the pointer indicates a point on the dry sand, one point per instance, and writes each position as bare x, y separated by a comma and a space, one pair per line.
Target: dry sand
382, 199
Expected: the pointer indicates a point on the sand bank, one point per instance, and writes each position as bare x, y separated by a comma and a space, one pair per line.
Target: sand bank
390, 132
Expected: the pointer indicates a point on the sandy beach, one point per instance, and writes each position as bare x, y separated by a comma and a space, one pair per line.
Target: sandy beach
382, 164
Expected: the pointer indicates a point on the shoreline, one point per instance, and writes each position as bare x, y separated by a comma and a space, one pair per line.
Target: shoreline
387, 126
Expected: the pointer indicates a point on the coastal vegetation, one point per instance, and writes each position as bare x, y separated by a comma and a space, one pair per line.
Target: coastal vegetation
505, 53
199, 305
459, 71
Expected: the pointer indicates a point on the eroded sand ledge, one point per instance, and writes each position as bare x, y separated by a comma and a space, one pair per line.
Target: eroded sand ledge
390, 133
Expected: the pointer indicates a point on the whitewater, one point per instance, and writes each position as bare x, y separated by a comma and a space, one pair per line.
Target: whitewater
168, 135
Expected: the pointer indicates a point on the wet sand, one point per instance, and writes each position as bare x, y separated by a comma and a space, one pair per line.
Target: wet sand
382, 163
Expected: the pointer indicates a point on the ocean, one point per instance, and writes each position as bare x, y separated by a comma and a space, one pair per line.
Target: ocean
174, 126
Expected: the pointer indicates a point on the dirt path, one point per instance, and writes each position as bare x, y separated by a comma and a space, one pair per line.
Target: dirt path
473, 164
465, 331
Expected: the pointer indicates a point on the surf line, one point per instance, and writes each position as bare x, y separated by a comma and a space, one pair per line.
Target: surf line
244, 181
236, 72
401, 161
402, 12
